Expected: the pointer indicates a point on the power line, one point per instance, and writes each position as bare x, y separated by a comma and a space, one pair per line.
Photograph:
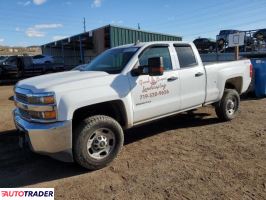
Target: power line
232, 10
195, 10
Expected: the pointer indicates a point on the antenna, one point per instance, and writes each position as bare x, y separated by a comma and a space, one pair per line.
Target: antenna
84, 24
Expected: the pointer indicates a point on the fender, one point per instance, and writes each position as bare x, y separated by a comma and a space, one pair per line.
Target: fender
116, 89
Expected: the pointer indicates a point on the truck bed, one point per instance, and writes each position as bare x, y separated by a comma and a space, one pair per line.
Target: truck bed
220, 62
218, 72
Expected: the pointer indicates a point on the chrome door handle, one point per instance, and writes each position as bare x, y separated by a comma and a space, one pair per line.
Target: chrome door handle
173, 78
198, 74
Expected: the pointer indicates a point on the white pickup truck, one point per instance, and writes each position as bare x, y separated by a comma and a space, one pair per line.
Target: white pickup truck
80, 115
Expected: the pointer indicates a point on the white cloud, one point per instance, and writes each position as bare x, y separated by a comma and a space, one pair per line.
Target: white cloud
59, 37
24, 3
32, 32
39, 2
96, 3
17, 29
37, 30
2, 40
47, 26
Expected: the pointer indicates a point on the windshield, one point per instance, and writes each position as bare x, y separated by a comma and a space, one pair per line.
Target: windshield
111, 61
4, 59
9, 59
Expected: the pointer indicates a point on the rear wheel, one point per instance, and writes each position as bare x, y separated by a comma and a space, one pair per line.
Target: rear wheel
228, 106
97, 141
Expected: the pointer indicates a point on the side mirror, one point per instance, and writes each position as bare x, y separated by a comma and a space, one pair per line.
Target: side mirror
155, 66
138, 71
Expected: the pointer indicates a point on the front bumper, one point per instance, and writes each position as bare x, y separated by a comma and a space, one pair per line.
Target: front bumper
53, 139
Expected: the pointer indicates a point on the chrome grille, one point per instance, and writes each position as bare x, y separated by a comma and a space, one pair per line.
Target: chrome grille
21, 97
29, 115
30, 107
25, 114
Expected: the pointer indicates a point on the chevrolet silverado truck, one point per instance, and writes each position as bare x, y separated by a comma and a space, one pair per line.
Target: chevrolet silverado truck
80, 115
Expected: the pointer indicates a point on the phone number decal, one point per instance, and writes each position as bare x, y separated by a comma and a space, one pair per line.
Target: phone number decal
154, 94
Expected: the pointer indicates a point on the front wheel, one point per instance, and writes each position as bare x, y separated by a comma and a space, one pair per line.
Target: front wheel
97, 141
228, 106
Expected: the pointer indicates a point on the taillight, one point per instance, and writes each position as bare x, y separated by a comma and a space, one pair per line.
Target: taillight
251, 70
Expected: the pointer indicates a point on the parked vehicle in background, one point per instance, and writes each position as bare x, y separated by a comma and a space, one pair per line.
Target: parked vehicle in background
8, 66
21, 66
7, 59
2, 58
17, 66
260, 35
43, 59
205, 45
80, 115
223, 37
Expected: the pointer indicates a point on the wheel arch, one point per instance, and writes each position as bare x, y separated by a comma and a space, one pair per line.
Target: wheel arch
115, 109
234, 83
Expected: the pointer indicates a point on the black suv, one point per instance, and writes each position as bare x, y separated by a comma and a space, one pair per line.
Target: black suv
205, 45
21, 66
15, 65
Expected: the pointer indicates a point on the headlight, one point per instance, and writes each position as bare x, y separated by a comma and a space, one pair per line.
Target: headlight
41, 99
36, 107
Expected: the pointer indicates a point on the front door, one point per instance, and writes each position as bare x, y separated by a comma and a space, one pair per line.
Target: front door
154, 96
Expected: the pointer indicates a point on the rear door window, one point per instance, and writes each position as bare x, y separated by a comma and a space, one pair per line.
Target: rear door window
185, 55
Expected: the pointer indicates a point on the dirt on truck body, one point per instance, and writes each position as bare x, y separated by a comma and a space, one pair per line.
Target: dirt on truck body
188, 156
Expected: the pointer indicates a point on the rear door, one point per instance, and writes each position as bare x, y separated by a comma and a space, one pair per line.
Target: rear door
28, 65
192, 77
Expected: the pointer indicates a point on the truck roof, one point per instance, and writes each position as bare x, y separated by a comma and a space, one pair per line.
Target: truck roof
142, 44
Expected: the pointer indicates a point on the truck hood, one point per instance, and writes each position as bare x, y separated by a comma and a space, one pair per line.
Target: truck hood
62, 81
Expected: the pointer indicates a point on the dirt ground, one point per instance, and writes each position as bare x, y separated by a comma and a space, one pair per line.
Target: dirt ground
188, 156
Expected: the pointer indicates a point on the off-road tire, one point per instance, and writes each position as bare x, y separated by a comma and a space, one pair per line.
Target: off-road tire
83, 133
221, 108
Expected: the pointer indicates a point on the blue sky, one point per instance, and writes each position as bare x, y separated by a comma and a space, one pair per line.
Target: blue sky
35, 22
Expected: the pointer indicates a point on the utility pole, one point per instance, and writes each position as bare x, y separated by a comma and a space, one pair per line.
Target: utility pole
84, 24
237, 52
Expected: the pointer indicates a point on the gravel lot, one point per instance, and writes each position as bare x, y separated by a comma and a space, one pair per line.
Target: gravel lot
188, 156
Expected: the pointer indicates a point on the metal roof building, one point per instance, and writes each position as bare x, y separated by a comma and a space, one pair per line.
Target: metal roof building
82, 48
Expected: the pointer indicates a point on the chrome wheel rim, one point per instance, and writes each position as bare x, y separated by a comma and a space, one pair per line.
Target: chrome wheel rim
231, 106
101, 143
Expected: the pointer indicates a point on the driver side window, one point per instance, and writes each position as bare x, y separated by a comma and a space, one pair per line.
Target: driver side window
158, 51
